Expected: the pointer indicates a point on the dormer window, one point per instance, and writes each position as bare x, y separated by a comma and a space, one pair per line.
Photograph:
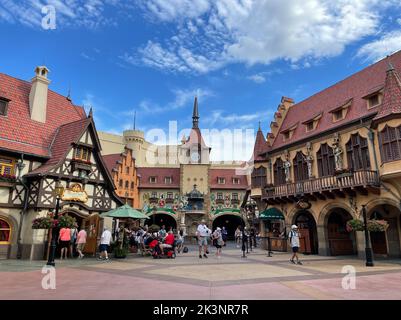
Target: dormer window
338, 115
152, 179
340, 111
374, 101
168, 180
236, 180
309, 126
221, 180
287, 133
82, 153
3, 106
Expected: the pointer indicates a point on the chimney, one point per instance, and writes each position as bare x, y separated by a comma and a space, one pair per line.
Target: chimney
38, 94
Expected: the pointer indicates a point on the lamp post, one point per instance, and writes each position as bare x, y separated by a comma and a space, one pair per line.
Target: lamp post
58, 191
368, 248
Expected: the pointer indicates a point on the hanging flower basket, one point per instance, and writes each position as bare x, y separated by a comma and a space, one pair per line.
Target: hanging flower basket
377, 225
355, 225
48, 222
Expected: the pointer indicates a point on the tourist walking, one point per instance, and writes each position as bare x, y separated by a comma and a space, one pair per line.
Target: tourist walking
180, 240
203, 233
237, 235
104, 244
218, 241
81, 241
294, 240
64, 239
74, 233
224, 234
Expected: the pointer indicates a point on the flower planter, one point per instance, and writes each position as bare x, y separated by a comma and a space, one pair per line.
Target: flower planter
377, 225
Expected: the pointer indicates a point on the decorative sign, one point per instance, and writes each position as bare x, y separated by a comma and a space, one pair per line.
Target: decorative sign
303, 204
75, 193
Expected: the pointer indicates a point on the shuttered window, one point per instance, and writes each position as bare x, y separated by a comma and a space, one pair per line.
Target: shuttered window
300, 167
7, 166
279, 174
258, 177
390, 144
325, 161
358, 152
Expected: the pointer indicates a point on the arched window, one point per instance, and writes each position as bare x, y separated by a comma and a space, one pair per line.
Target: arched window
120, 183
357, 153
5, 232
259, 177
300, 167
126, 184
325, 161
132, 185
279, 174
390, 141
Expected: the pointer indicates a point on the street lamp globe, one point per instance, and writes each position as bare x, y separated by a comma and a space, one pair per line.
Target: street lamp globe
59, 189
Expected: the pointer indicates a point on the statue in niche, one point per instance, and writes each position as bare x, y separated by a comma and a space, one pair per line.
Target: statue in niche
309, 159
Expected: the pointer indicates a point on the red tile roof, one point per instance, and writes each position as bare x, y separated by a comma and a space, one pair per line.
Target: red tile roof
160, 173
391, 103
18, 132
66, 135
111, 161
260, 146
228, 174
355, 87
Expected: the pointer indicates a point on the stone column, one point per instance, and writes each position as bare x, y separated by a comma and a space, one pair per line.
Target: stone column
324, 249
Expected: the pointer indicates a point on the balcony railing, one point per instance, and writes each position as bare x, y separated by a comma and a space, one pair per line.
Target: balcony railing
333, 185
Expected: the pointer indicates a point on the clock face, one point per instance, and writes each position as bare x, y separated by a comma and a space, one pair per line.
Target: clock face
195, 156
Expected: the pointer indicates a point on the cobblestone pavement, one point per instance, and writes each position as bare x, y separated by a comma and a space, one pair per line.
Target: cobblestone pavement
188, 277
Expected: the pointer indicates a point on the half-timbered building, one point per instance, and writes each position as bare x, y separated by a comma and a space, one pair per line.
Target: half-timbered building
45, 139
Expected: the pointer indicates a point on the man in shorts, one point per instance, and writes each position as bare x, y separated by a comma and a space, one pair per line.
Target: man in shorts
104, 244
203, 233
294, 240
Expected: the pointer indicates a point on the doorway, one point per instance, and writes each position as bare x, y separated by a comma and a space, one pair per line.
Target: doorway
341, 242
308, 232
230, 222
161, 219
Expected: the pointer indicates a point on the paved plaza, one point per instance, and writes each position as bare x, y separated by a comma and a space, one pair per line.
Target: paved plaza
188, 277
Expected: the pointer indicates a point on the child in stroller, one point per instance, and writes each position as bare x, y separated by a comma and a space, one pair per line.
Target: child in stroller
166, 248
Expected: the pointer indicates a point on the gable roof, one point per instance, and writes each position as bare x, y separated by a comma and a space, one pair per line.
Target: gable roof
18, 132
228, 175
111, 161
160, 173
355, 87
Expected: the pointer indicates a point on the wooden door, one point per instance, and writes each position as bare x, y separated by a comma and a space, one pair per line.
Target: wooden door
305, 240
92, 228
379, 243
340, 243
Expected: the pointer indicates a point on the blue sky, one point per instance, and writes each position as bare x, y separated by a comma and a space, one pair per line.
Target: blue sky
153, 56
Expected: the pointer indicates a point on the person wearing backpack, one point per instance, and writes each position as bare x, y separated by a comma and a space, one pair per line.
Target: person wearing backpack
294, 241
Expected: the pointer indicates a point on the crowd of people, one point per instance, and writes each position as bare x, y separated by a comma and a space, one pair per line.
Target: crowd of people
72, 240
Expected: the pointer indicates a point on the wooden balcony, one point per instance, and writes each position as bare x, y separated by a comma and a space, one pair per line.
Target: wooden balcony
363, 182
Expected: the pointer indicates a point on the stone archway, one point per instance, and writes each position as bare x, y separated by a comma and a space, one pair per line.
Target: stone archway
386, 243
308, 231
165, 219
230, 222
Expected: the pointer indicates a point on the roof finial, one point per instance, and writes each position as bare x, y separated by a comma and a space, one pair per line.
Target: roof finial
259, 127
390, 66
69, 93
195, 114
90, 115
135, 120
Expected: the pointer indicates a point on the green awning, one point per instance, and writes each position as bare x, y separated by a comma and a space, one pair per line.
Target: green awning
271, 214
125, 211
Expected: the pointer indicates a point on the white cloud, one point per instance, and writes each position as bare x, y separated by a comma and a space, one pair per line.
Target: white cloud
210, 34
257, 78
380, 48
238, 121
182, 98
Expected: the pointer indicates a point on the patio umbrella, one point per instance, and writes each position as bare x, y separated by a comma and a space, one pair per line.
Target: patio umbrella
125, 211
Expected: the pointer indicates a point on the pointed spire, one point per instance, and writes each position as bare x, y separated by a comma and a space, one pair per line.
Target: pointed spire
90, 115
195, 114
260, 144
391, 103
259, 127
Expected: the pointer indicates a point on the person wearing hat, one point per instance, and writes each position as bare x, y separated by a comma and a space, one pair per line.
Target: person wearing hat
203, 233
294, 241
218, 241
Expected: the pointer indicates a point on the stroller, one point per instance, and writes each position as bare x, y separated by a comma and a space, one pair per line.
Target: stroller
169, 253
